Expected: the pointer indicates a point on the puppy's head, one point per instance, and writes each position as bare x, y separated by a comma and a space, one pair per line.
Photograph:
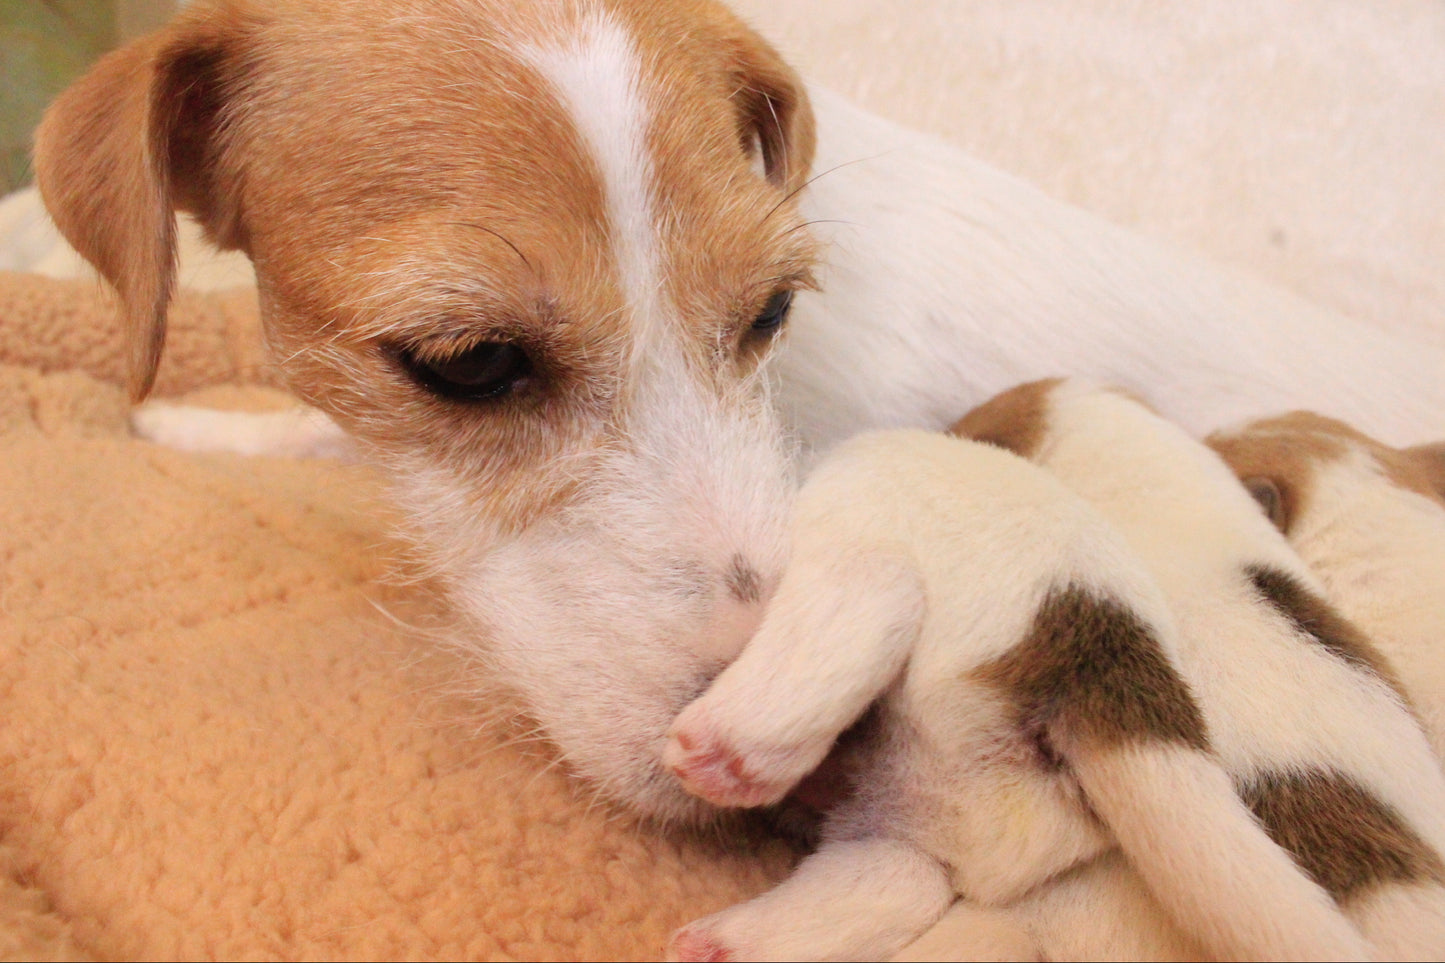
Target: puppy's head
534, 254
1304, 469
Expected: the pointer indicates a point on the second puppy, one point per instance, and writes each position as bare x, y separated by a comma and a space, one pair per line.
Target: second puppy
1370, 521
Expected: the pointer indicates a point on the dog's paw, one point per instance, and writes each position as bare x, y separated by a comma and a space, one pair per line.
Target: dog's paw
712, 769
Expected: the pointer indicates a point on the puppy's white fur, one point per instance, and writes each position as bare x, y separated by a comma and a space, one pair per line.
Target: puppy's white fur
926, 570
1287, 685
615, 185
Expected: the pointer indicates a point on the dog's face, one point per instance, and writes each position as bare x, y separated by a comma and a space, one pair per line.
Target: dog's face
534, 255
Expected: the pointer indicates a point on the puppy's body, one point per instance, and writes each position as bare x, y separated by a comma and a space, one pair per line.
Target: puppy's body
1032, 713
530, 254
1303, 709
1307, 726
1370, 522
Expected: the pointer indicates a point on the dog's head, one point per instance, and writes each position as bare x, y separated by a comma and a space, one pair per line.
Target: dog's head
1307, 470
534, 255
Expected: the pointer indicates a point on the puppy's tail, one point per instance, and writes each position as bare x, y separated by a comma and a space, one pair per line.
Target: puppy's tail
1183, 827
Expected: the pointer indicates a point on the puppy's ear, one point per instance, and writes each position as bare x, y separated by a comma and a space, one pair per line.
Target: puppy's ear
1016, 419
1429, 460
124, 147
1271, 498
773, 111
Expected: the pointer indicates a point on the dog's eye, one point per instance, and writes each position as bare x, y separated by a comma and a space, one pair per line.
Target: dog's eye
774, 314
487, 370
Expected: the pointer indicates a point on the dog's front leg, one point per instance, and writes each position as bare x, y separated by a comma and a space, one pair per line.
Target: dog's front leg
851, 900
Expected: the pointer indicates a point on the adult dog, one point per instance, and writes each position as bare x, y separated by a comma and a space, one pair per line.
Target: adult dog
534, 256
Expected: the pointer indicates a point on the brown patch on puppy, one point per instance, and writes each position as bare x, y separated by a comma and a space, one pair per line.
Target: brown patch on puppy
1420, 469
1317, 619
1091, 665
1275, 459
1340, 834
1016, 419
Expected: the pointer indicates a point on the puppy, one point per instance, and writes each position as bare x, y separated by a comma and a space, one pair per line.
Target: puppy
533, 256
1050, 682
1303, 708
1370, 521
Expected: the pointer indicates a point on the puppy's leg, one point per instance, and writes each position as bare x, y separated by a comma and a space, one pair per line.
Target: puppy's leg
299, 432
969, 931
854, 900
835, 636
1403, 921
1206, 858
1103, 910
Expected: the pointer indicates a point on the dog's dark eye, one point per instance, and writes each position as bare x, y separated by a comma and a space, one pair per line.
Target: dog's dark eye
774, 313
487, 370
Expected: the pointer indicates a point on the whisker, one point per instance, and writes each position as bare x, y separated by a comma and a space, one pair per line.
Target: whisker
816, 177
503, 238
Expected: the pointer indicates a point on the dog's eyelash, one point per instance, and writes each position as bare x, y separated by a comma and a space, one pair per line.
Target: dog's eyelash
480, 372
774, 314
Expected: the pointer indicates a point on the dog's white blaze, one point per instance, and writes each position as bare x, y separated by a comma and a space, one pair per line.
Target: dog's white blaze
595, 73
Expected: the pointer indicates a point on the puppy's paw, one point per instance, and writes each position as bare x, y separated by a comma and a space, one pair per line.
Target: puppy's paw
698, 943
709, 767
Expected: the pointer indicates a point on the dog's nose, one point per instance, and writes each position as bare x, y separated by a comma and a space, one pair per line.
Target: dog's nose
737, 610
743, 581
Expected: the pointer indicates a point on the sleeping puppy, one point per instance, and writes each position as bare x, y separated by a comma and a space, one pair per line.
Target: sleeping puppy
1113, 648
1370, 521
1317, 728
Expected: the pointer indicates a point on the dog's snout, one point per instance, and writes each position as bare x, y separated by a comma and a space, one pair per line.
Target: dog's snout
739, 593
744, 582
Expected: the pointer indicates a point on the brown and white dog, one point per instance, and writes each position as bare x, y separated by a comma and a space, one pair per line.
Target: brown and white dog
533, 255
1370, 521
1114, 647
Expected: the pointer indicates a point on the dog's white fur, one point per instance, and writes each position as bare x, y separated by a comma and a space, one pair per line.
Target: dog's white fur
923, 564
622, 181
948, 281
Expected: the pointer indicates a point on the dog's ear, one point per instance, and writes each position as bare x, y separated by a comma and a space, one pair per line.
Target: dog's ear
128, 144
773, 111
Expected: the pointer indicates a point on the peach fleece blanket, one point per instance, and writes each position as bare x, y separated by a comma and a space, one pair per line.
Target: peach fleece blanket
224, 738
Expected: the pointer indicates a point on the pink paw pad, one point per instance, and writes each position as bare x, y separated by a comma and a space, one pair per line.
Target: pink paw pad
693, 944
710, 770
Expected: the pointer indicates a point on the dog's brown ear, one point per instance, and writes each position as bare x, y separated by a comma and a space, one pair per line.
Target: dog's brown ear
774, 111
124, 147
